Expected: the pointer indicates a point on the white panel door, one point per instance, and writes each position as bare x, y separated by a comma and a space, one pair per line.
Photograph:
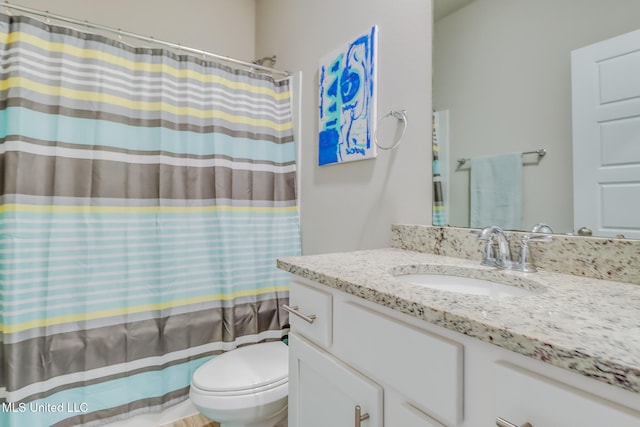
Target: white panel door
606, 136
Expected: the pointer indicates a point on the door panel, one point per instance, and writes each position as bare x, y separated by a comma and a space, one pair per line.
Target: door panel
606, 136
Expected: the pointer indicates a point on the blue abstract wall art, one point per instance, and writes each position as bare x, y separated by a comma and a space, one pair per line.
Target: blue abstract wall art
347, 102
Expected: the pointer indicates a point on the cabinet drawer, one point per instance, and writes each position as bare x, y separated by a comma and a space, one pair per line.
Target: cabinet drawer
426, 368
523, 396
315, 305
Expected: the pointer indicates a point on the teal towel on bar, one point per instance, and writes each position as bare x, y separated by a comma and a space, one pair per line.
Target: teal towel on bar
496, 191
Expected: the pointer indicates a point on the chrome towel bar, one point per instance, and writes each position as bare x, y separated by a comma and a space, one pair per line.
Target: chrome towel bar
541, 153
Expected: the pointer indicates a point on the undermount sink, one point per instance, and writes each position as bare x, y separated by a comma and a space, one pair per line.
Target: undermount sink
443, 280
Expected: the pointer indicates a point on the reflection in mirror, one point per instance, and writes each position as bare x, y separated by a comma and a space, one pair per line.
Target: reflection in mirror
502, 84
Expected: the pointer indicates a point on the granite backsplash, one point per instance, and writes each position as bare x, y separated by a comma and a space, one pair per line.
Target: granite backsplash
595, 257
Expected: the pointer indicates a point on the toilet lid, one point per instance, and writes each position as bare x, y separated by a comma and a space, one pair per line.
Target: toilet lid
245, 368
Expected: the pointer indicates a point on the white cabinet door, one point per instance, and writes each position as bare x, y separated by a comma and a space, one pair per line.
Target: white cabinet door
606, 136
523, 396
324, 392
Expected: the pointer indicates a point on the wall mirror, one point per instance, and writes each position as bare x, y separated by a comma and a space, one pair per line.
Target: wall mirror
502, 83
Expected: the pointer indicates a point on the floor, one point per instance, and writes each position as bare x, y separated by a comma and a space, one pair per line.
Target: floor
200, 421
194, 421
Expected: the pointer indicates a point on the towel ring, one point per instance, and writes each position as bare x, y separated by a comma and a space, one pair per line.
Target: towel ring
400, 115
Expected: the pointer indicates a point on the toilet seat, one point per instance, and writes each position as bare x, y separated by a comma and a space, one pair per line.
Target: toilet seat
245, 370
247, 386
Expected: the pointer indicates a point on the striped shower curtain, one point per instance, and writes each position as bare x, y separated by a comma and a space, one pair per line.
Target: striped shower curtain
439, 213
145, 198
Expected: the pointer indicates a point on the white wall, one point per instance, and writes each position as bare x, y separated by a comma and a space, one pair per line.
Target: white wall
352, 206
225, 27
503, 69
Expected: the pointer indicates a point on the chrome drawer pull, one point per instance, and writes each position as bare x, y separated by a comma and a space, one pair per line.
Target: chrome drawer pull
360, 418
500, 422
294, 310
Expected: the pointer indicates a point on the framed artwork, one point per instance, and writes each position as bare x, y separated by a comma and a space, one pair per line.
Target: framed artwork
347, 101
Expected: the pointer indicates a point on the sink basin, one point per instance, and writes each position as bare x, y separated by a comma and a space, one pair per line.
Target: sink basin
462, 284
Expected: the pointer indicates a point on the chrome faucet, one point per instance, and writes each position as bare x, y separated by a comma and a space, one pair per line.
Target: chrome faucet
502, 258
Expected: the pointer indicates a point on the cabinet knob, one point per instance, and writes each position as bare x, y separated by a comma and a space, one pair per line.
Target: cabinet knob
500, 422
359, 417
294, 310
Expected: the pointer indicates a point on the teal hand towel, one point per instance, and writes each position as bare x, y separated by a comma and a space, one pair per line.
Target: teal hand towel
496, 191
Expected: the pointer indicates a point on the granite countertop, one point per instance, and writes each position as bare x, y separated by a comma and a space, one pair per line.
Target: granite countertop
588, 326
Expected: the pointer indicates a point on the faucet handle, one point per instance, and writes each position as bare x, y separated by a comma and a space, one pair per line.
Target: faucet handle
541, 227
542, 239
525, 260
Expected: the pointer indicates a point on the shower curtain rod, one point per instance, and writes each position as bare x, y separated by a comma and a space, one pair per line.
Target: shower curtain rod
88, 24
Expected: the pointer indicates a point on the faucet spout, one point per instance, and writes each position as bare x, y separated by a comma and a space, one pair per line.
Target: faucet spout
501, 259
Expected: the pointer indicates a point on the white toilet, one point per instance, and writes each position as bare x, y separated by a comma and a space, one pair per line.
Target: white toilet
245, 387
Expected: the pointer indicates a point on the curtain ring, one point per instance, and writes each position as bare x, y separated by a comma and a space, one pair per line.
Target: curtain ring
400, 115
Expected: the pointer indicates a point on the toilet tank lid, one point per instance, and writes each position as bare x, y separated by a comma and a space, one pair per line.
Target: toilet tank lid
245, 368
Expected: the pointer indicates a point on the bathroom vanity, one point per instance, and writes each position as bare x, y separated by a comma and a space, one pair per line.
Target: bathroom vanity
369, 349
